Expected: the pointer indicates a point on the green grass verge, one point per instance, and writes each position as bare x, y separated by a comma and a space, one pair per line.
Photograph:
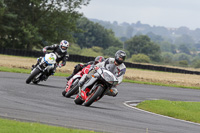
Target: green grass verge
27, 71
189, 111
13, 126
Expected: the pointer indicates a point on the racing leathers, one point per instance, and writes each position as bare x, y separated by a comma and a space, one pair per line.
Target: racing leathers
109, 64
79, 67
61, 56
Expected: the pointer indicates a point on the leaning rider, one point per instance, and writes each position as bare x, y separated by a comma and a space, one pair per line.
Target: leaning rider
80, 66
60, 51
115, 65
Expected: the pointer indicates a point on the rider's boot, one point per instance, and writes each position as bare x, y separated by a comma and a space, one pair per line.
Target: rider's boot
38, 61
33, 66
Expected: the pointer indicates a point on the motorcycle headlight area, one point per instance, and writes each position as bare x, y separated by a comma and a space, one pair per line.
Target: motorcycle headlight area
108, 78
46, 63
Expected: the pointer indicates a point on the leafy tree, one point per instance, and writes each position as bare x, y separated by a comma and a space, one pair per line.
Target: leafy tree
110, 51
167, 47
97, 49
183, 63
184, 39
41, 21
182, 56
94, 34
141, 58
154, 37
7, 25
129, 31
74, 49
183, 49
142, 44
91, 52
196, 63
167, 57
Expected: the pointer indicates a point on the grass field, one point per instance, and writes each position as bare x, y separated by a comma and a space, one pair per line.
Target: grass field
143, 76
189, 111
13, 126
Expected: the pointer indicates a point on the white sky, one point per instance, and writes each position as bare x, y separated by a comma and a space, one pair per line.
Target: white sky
168, 13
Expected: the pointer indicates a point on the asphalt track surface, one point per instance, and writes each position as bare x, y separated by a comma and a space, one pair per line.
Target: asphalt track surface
44, 103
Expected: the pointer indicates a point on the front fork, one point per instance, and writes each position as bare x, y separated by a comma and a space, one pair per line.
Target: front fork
89, 82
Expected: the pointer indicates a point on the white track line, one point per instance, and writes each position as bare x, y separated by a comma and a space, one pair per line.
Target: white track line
126, 104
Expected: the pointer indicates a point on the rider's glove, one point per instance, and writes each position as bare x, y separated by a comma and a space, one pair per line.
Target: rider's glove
44, 50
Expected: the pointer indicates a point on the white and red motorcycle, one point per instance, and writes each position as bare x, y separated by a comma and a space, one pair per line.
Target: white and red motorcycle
72, 86
103, 80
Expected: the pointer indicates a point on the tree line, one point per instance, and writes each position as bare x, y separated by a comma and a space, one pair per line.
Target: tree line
28, 24
33, 24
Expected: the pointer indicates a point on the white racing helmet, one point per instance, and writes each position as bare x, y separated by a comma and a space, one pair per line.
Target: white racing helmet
64, 45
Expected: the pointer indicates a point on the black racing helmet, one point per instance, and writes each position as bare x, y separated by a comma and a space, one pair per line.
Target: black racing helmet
120, 56
98, 59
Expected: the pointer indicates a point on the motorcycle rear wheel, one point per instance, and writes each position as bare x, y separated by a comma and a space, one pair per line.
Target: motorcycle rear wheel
94, 96
74, 88
33, 75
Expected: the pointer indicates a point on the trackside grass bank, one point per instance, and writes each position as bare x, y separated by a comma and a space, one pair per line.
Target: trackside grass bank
189, 111
13, 126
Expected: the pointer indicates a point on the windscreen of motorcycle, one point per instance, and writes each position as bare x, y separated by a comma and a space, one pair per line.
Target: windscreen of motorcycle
50, 58
108, 76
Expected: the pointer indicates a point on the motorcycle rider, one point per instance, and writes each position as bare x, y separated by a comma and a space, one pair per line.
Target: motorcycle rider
115, 65
80, 66
60, 51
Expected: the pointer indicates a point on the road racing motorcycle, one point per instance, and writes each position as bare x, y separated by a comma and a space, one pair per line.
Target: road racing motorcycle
72, 86
93, 90
43, 69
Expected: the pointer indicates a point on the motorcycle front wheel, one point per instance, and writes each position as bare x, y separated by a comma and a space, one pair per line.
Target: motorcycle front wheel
78, 100
95, 95
33, 75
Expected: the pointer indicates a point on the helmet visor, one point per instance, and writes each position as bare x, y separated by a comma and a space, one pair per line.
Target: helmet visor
119, 61
63, 47
96, 62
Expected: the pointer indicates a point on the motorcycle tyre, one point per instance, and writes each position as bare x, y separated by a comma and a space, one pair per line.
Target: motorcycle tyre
35, 82
78, 101
33, 75
63, 93
73, 90
97, 93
